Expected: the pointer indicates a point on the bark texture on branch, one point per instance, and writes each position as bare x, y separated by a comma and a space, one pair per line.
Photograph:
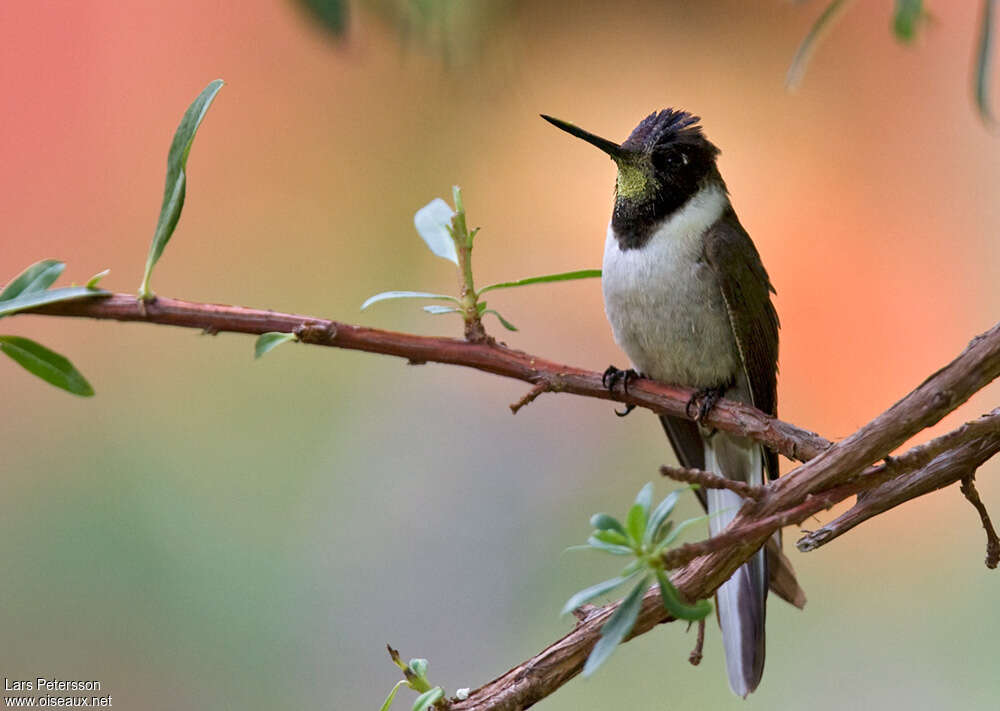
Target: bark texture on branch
488, 356
831, 473
835, 475
968, 446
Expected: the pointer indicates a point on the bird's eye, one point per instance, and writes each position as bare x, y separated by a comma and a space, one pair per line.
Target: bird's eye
676, 159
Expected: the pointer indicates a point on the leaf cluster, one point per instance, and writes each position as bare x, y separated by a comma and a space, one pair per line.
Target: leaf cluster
444, 230
415, 677
28, 290
646, 536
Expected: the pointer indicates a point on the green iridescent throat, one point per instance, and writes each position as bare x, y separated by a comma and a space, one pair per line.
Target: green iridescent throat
634, 183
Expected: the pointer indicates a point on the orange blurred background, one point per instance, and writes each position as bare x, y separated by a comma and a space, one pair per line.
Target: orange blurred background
215, 532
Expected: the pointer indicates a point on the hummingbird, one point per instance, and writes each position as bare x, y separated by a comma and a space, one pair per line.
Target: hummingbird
689, 301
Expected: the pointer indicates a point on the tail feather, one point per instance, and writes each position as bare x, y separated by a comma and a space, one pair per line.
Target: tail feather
742, 599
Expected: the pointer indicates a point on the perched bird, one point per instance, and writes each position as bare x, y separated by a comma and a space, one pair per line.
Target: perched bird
689, 302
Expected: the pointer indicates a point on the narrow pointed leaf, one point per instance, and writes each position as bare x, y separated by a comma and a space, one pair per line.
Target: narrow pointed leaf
677, 607
176, 183
38, 277
609, 547
47, 365
432, 221
392, 695
645, 497
606, 522
96, 279
612, 537
659, 515
588, 594
616, 628
428, 699
267, 342
503, 322
984, 63
50, 296
386, 295
562, 276
805, 51
635, 522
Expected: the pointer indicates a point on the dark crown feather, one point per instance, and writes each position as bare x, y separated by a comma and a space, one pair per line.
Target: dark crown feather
668, 127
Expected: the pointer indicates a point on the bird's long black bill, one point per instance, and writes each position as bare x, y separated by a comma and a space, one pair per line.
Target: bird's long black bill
610, 147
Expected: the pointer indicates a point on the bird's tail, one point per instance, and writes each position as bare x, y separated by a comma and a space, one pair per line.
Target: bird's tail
741, 600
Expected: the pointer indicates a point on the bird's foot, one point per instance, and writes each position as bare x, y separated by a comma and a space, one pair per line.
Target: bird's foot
610, 379
702, 402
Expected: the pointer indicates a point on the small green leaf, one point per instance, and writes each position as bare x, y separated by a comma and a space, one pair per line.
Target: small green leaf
609, 547
673, 534
385, 295
503, 322
47, 365
588, 594
428, 699
606, 522
612, 537
677, 607
805, 51
616, 628
439, 309
635, 522
38, 277
984, 64
266, 342
51, 296
419, 667
906, 19
176, 183
645, 497
432, 221
96, 279
659, 515
563, 276
392, 695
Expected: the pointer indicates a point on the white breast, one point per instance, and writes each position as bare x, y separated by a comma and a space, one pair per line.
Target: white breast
664, 302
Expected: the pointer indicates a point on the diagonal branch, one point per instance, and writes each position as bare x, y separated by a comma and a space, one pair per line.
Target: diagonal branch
818, 484
830, 474
536, 678
969, 445
488, 356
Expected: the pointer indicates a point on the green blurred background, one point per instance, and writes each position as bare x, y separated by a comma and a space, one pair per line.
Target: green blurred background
215, 532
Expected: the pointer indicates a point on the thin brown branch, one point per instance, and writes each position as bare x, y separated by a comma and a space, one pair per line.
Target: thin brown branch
708, 480
699, 645
487, 356
529, 396
969, 491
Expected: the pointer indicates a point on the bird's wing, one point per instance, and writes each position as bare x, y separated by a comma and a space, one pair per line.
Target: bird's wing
747, 291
